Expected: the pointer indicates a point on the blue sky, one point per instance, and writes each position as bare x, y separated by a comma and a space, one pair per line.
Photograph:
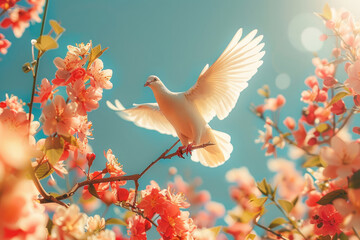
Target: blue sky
175, 40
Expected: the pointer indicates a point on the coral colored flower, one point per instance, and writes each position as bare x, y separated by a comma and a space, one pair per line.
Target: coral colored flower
18, 20
59, 117
137, 227
274, 104
4, 44
87, 99
338, 108
6, 4
180, 226
68, 222
65, 67
77, 75
239, 230
100, 188
45, 92
99, 77
353, 72
300, 135
14, 103
315, 95
113, 166
343, 158
324, 69
155, 202
326, 220
122, 194
289, 122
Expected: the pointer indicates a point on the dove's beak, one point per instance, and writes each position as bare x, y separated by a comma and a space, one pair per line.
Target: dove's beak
146, 84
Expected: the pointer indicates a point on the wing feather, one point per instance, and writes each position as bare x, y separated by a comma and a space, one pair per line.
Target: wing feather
218, 87
147, 115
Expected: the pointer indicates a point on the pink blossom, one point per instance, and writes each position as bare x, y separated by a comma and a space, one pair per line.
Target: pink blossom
14, 103
290, 183
99, 77
353, 71
45, 92
338, 107
86, 98
68, 222
19, 18
59, 117
79, 50
239, 230
274, 104
300, 135
189, 190
65, 67
289, 122
315, 95
323, 69
4, 44
350, 213
342, 158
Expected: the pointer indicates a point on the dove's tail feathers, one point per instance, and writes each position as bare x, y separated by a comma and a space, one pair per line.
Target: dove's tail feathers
117, 107
216, 154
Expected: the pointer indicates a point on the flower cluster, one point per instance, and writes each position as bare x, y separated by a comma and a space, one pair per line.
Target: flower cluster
19, 18
332, 159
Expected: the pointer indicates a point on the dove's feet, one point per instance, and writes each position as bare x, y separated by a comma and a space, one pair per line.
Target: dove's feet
180, 150
189, 148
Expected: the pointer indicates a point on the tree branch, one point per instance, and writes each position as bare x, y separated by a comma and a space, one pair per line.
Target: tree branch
134, 177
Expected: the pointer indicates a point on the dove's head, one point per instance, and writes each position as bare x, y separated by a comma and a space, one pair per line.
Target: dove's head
152, 81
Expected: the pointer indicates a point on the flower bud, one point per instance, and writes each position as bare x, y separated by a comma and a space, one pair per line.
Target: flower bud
90, 157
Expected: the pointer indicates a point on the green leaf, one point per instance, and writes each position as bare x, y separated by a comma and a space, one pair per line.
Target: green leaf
92, 191
215, 230
343, 236
314, 161
71, 140
338, 97
327, 12
277, 222
263, 93
250, 236
331, 196
286, 205
263, 187
56, 27
322, 127
43, 171
355, 180
45, 43
115, 221
54, 194
49, 225
327, 237
95, 53
258, 202
294, 202
54, 148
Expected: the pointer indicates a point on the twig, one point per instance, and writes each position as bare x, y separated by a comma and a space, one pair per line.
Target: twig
134, 177
159, 158
269, 230
356, 233
290, 221
36, 181
286, 138
37, 64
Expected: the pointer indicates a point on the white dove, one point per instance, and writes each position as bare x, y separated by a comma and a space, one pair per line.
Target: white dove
187, 114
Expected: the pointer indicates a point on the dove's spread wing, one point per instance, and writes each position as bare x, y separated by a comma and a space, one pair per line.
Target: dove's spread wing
147, 115
218, 87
